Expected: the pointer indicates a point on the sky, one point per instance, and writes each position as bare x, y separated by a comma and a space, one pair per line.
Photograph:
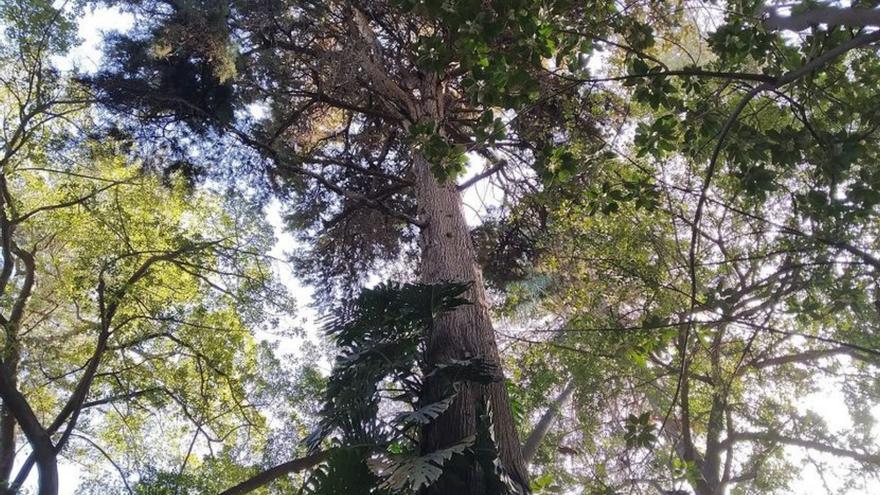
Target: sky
87, 57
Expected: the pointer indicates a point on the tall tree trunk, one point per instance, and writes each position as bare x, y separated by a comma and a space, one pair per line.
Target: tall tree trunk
448, 256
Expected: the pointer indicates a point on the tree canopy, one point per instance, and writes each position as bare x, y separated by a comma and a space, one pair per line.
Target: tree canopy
561, 246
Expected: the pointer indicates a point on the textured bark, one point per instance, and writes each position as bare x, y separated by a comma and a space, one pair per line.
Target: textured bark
448, 256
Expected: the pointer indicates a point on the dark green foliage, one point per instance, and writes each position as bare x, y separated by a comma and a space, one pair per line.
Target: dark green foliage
447, 160
163, 483
485, 452
507, 247
640, 431
380, 339
498, 43
179, 86
344, 472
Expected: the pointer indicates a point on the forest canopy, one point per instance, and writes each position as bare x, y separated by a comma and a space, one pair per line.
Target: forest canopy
470, 247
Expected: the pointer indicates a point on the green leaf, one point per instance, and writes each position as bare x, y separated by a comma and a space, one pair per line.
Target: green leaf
414, 472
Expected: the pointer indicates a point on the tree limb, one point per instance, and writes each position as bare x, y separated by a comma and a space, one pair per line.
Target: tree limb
264, 478
807, 356
767, 436
832, 16
497, 165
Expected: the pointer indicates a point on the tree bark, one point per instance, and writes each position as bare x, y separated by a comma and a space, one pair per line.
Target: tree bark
265, 477
39, 439
448, 256
7, 435
7, 448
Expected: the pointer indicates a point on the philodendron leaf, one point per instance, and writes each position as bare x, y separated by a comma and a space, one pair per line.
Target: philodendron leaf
425, 414
414, 472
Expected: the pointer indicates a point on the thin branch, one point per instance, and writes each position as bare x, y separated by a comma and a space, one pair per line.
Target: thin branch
832, 16
496, 166
113, 463
66, 204
808, 356
114, 398
818, 446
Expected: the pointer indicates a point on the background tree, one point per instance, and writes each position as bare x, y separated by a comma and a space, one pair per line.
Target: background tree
128, 300
697, 313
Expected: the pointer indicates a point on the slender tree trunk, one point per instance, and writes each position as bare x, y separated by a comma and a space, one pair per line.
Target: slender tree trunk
39, 439
47, 467
11, 358
530, 447
7, 446
448, 256
712, 459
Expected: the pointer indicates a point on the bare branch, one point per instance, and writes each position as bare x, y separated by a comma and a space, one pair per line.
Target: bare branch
269, 475
800, 442
832, 16
113, 463
809, 356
